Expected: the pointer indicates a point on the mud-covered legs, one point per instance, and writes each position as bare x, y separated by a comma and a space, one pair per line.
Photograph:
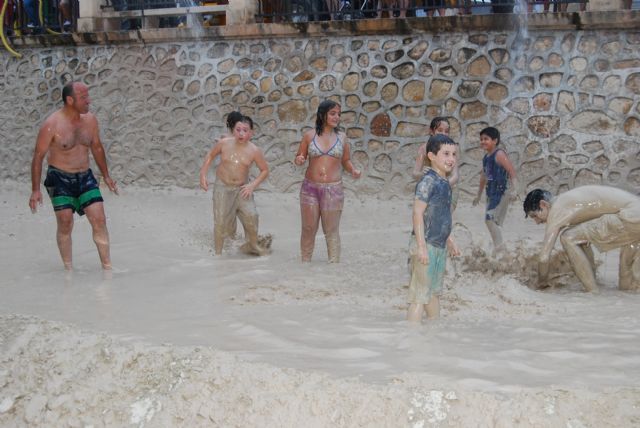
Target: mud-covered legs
311, 217
331, 228
495, 231
629, 269
580, 255
432, 309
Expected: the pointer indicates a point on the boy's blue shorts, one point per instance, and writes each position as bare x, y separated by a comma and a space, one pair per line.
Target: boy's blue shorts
426, 280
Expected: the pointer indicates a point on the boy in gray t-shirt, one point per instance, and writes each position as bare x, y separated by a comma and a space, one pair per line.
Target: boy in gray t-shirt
431, 229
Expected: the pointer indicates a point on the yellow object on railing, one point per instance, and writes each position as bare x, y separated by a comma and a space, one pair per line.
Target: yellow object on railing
41, 17
5, 42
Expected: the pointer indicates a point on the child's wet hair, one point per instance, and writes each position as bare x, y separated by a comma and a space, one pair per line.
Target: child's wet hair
532, 201
248, 121
436, 121
321, 115
492, 133
435, 142
235, 116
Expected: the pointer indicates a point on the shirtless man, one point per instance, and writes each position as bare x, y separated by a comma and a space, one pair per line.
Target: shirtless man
66, 137
606, 217
233, 192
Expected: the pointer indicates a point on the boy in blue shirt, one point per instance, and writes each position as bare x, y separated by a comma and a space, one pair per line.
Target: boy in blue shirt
431, 228
499, 180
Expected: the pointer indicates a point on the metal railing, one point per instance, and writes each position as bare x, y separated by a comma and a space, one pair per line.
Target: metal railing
325, 10
25, 17
163, 13
31, 17
122, 5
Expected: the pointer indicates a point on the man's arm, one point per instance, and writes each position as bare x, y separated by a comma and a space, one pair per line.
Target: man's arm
97, 150
562, 214
419, 207
43, 142
550, 235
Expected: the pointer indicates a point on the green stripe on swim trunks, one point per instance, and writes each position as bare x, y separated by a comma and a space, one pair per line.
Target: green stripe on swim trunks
88, 196
63, 201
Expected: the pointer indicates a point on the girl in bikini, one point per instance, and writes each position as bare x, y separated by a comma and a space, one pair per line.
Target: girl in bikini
322, 195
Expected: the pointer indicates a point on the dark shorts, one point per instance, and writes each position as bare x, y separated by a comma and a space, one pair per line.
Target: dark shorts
74, 191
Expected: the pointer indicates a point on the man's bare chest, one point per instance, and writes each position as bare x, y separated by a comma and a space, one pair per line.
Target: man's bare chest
69, 137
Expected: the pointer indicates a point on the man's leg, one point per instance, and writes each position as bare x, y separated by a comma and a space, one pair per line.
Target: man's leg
64, 219
31, 9
574, 241
629, 269
97, 219
65, 14
588, 251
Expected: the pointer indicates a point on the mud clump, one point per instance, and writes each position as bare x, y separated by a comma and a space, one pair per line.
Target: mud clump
262, 249
520, 260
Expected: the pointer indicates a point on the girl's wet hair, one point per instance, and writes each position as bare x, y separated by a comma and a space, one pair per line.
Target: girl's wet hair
235, 116
321, 115
532, 201
437, 121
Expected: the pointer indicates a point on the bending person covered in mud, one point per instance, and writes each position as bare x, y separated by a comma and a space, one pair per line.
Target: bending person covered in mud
232, 191
606, 217
322, 195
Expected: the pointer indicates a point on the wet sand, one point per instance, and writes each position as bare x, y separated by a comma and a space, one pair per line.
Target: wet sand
179, 337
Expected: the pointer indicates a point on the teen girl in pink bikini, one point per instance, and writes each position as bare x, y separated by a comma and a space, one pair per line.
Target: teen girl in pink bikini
322, 195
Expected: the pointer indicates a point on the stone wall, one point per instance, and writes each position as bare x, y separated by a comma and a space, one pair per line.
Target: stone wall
566, 99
